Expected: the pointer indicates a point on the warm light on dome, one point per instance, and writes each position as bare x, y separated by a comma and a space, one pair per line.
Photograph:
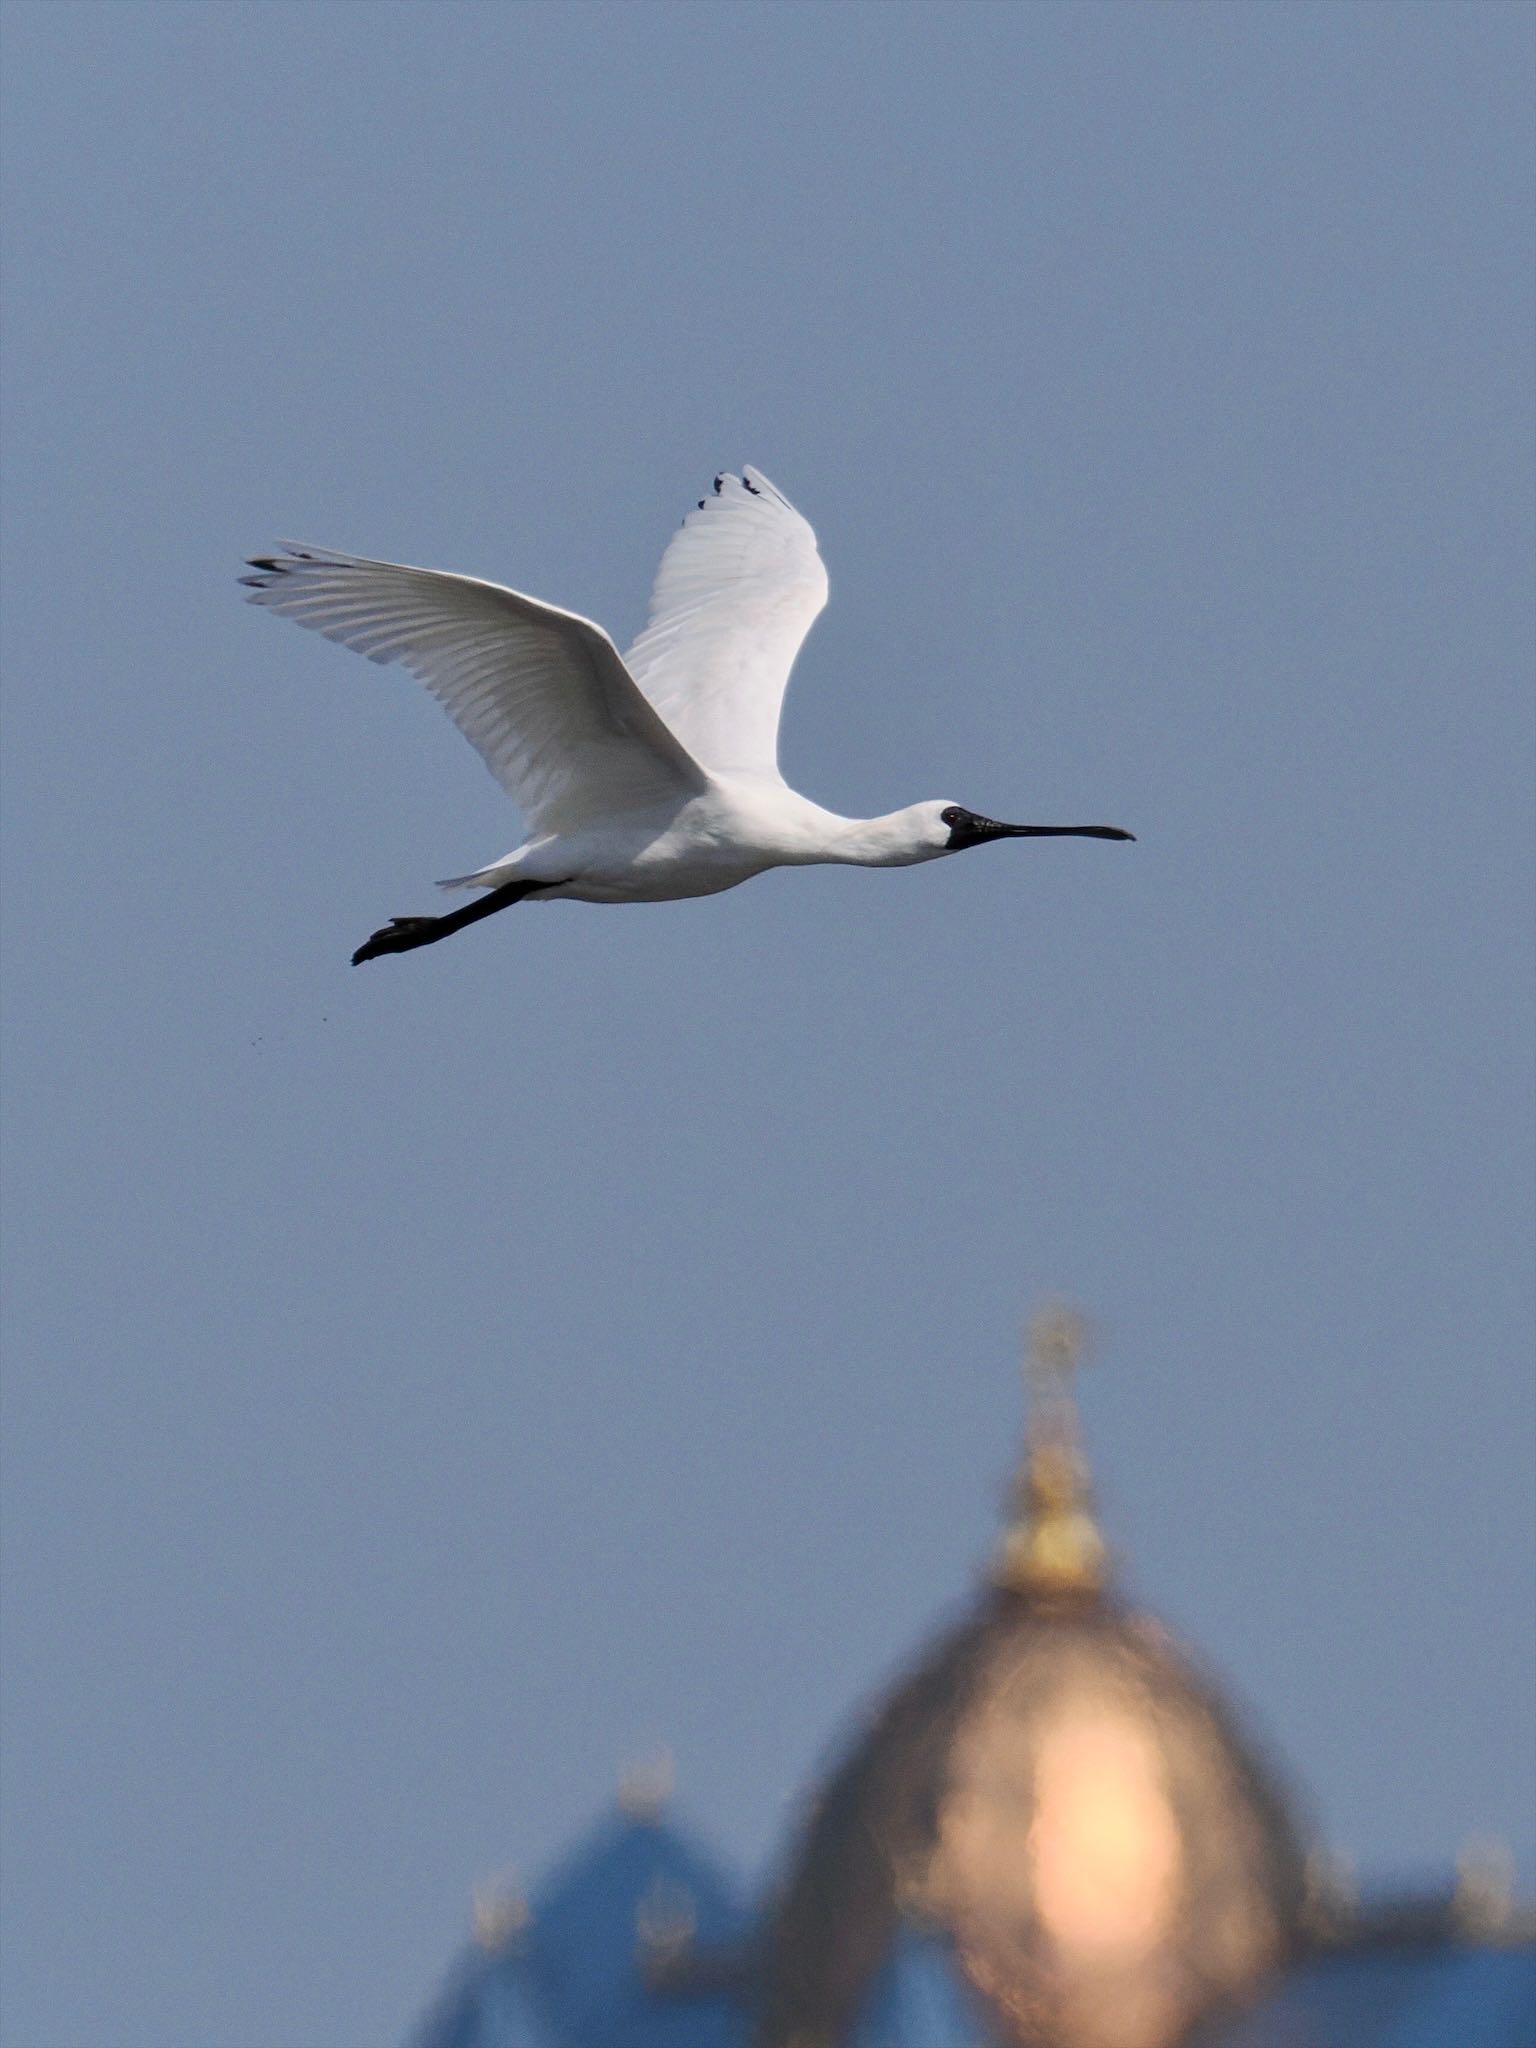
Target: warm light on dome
1104, 1845
1056, 1793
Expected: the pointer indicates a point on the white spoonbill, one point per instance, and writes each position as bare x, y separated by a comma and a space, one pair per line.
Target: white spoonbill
642, 779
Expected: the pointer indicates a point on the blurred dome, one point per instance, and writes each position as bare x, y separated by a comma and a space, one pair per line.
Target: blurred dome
1058, 1794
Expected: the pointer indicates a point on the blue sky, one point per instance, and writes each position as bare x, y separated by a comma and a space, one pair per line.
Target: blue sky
431, 1384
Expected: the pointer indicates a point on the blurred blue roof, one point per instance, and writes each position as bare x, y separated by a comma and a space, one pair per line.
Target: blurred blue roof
575, 1975
918, 2000
1443, 1996
489, 2002
586, 1937
574, 1978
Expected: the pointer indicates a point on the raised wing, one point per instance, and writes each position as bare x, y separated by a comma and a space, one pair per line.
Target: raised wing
540, 692
735, 595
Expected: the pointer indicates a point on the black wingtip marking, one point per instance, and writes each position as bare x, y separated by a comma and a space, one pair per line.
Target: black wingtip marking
701, 504
262, 562
748, 485
719, 480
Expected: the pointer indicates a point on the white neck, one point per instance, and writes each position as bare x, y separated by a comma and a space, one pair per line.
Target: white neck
794, 832
897, 840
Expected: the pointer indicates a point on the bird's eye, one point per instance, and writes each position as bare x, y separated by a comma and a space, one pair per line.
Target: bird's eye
952, 816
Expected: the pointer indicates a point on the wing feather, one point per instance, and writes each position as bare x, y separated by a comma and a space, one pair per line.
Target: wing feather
736, 593
541, 692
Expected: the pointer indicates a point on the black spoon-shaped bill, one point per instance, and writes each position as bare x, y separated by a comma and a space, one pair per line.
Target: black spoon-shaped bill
969, 828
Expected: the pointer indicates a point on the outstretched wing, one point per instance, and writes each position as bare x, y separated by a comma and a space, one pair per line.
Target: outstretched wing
540, 692
735, 595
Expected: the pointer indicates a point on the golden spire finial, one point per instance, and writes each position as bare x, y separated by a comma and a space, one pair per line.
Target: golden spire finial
1052, 1544
499, 1911
1484, 1903
645, 1785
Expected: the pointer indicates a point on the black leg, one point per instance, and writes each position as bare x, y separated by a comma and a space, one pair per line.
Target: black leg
401, 934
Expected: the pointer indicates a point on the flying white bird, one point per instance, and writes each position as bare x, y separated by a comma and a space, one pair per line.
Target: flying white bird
642, 779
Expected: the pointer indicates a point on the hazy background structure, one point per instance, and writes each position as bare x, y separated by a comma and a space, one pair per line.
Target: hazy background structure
1056, 1829
428, 1385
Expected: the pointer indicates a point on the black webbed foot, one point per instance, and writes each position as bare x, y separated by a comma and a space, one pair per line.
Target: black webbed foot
399, 936
402, 933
